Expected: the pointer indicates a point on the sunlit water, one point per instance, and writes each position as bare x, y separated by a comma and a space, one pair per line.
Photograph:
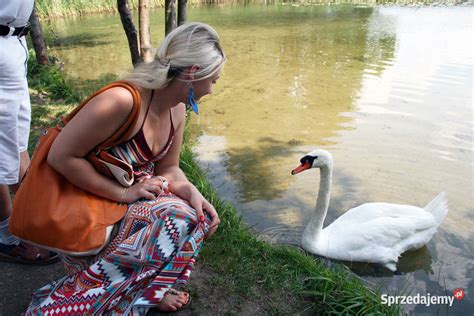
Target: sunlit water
389, 91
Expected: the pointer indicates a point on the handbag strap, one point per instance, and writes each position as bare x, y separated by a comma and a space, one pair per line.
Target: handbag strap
123, 133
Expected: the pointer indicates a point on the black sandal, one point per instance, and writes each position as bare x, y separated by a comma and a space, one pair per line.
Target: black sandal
15, 254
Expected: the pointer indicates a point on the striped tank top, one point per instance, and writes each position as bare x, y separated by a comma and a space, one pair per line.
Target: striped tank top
138, 154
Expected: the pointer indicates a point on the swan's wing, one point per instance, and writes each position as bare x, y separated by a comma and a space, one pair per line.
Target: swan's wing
378, 239
369, 211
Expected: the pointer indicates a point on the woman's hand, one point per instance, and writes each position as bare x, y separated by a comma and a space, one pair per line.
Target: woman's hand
189, 192
201, 205
149, 188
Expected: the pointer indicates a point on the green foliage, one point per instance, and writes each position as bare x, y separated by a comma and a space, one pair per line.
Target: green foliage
50, 80
58, 8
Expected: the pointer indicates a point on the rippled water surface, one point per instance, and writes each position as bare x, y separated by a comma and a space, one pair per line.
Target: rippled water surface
389, 91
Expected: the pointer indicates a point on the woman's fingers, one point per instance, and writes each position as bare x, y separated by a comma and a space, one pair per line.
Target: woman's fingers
148, 194
149, 191
211, 231
155, 185
200, 213
147, 188
197, 205
212, 213
155, 188
215, 219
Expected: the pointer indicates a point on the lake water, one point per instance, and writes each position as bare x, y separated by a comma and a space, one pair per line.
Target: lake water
388, 91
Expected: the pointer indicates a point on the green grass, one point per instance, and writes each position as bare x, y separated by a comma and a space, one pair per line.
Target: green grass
240, 263
49, 79
59, 8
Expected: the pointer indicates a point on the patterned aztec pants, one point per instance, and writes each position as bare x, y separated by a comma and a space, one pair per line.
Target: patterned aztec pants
155, 247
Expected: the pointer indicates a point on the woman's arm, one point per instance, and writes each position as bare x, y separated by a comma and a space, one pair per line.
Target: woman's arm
93, 124
169, 168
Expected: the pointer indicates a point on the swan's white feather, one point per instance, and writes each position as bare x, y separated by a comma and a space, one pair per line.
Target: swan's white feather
376, 232
372, 232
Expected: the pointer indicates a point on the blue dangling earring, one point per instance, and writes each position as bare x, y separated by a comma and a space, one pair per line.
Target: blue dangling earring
191, 101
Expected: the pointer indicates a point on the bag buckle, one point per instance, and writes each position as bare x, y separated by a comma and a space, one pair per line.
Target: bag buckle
10, 33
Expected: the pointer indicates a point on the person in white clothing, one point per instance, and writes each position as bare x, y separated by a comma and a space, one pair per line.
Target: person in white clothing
15, 117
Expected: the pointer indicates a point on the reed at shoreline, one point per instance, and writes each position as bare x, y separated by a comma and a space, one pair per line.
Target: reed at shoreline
57, 8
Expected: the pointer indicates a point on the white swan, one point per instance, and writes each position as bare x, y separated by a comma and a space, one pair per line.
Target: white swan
372, 232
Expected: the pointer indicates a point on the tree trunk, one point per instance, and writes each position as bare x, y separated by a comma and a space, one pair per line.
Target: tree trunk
170, 16
130, 31
144, 29
37, 39
182, 11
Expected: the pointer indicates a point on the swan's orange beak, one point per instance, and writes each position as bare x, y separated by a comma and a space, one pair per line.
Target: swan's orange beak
302, 167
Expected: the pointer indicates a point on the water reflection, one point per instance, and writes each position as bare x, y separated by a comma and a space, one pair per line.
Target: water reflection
96, 45
410, 261
396, 112
250, 167
387, 90
295, 78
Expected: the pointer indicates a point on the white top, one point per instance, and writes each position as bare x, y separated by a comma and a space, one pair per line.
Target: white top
15, 13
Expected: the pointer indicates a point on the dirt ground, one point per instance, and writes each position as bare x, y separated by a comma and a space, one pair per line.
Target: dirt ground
19, 281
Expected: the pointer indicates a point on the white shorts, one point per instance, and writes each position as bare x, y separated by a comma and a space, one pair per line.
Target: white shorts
15, 108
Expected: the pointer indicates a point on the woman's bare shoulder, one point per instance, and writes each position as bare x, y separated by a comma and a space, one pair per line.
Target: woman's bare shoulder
115, 101
98, 120
179, 113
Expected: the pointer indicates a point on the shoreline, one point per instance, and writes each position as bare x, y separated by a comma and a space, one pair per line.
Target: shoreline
50, 9
236, 272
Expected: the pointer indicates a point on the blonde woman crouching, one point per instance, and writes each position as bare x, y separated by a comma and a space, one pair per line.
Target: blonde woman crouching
158, 239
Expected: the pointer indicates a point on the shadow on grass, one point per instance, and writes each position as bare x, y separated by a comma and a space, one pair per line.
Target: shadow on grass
60, 41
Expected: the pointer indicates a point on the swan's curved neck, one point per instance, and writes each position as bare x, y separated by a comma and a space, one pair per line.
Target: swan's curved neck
315, 225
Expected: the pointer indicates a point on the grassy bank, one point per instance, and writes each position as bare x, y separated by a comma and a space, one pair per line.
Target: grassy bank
234, 262
60, 8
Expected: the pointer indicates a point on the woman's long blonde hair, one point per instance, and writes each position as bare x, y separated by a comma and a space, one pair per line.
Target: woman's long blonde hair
189, 44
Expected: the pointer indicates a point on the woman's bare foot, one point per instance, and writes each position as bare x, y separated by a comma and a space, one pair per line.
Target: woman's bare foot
173, 301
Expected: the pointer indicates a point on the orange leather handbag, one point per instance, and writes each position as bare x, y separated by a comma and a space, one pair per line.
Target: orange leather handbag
52, 213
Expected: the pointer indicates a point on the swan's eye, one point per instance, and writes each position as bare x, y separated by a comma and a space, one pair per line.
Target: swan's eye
306, 159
